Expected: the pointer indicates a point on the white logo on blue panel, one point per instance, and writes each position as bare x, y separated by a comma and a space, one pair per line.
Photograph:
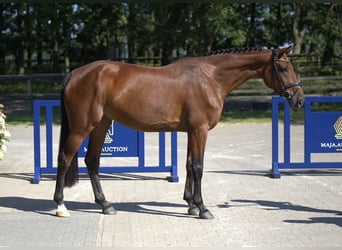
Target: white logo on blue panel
110, 134
338, 128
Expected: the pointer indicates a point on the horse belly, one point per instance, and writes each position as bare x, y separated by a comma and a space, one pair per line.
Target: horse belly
148, 115
146, 123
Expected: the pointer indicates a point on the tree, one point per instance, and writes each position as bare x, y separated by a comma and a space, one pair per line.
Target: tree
216, 26
138, 30
299, 25
324, 34
18, 38
60, 36
276, 27
168, 30
101, 30
332, 29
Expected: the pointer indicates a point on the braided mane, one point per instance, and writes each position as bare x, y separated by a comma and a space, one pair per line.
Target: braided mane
231, 50
222, 52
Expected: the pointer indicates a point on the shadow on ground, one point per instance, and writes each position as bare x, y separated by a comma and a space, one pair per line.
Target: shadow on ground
43, 206
278, 205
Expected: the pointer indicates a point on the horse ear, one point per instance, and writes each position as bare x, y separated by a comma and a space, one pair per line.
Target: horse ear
281, 52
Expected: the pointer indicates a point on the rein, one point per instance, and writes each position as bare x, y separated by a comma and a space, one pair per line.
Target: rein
284, 93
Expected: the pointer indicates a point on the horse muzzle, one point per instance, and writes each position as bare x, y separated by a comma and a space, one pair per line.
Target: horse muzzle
297, 99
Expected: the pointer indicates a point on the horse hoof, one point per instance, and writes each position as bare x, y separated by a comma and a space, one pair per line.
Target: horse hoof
62, 213
206, 215
109, 210
194, 211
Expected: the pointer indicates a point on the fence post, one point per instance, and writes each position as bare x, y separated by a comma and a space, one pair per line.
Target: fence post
275, 119
174, 160
36, 142
29, 87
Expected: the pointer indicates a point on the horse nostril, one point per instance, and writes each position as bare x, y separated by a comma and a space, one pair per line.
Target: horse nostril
300, 103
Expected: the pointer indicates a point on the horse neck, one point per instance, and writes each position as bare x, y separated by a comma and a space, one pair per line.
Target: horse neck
233, 69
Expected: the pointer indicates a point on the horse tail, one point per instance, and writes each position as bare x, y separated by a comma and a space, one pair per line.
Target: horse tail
71, 176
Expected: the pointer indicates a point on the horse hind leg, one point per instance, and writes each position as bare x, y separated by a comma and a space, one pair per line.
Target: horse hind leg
92, 161
67, 173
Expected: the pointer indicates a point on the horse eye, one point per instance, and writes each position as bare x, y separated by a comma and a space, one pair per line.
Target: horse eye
284, 69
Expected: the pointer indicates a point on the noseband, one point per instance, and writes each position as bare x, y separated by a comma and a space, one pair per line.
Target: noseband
284, 93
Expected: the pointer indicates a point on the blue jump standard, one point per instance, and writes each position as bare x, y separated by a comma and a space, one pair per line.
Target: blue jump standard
322, 134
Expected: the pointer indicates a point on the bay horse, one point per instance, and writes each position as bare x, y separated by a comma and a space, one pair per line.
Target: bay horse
186, 95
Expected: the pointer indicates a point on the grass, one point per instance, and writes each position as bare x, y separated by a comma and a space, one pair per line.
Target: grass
37, 88
326, 107
27, 118
16, 119
259, 116
246, 116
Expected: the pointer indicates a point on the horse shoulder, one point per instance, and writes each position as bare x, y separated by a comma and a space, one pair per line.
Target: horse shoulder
203, 96
211, 86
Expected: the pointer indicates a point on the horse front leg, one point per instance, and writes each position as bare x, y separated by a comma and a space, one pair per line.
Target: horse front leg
197, 141
189, 186
92, 161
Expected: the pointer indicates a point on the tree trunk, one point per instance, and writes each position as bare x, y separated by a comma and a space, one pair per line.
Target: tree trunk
131, 49
29, 56
55, 56
39, 53
328, 53
66, 61
20, 43
251, 26
156, 56
20, 58
166, 55
298, 32
2, 37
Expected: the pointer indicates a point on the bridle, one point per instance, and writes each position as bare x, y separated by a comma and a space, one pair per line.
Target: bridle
284, 93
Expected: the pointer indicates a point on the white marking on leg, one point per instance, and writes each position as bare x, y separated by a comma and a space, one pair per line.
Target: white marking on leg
62, 211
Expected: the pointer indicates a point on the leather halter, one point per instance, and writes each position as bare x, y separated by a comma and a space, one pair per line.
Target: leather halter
284, 87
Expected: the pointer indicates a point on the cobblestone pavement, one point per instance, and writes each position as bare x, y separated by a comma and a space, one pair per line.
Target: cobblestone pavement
303, 208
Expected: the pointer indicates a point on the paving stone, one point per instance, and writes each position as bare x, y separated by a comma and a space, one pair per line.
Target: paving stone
302, 209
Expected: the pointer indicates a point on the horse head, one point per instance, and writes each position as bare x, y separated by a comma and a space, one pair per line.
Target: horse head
280, 76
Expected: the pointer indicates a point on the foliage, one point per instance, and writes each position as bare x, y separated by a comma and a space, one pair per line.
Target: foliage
4, 133
56, 37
